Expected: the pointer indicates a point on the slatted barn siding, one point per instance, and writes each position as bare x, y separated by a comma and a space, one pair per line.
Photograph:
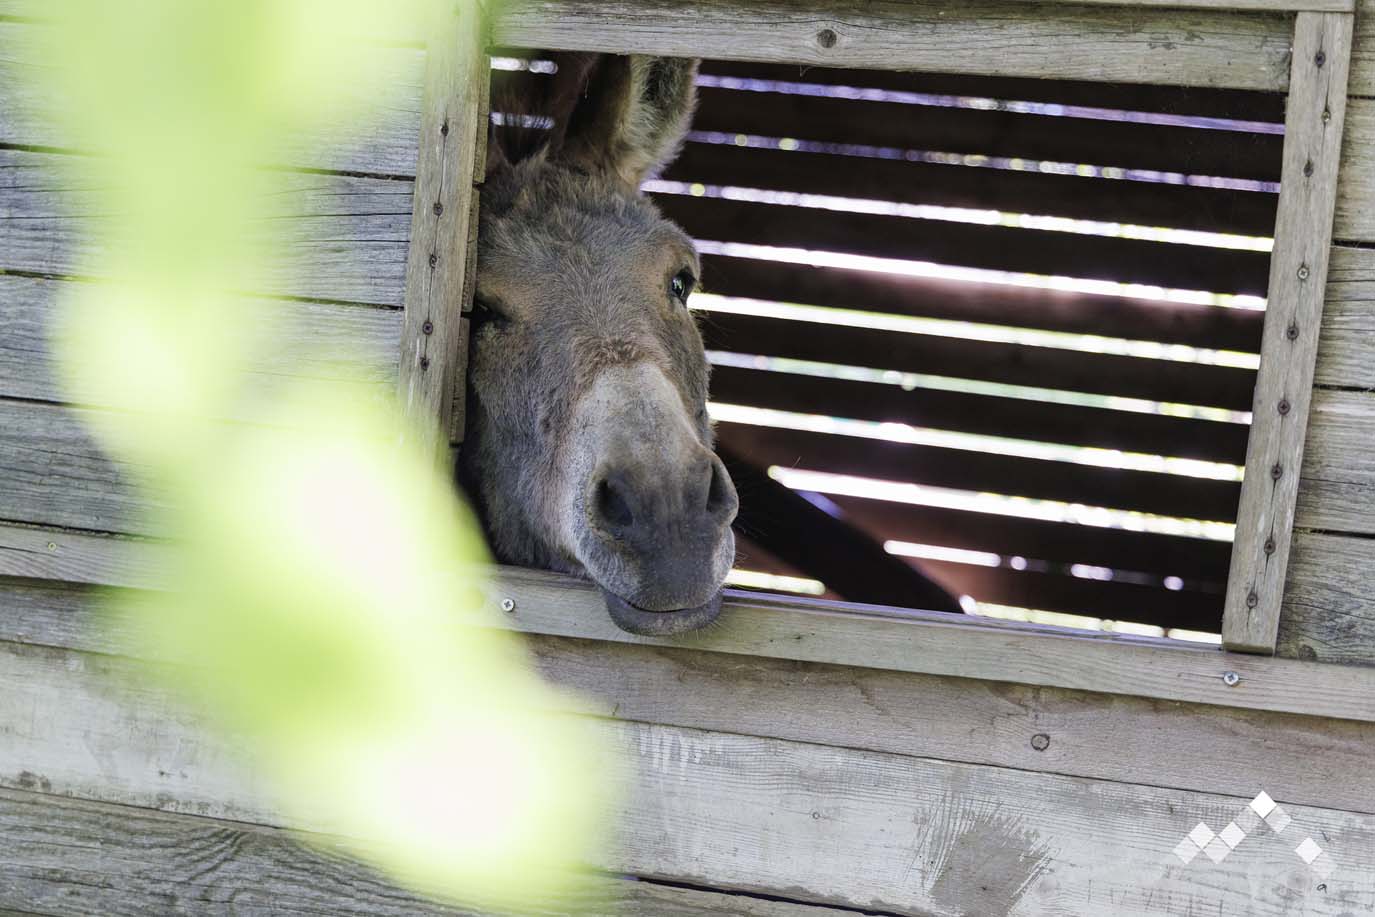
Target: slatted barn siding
789, 131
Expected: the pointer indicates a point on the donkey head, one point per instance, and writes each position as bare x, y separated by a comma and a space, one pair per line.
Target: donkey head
588, 448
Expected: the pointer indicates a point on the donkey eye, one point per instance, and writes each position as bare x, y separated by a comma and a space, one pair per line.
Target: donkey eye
681, 285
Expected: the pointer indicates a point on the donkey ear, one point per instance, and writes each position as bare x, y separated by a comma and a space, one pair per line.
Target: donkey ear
633, 117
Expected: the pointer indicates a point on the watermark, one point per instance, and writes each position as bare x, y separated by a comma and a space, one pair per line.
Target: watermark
1218, 846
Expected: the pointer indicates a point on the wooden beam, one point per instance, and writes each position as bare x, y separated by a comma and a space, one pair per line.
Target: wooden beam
982, 132
453, 130
1337, 486
1169, 46
1348, 320
968, 186
1240, 104
849, 344
987, 303
1265, 518
847, 560
1038, 421
988, 247
1355, 221
965, 469
941, 644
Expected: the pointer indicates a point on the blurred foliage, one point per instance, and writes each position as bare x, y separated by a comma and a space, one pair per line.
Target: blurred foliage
325, 600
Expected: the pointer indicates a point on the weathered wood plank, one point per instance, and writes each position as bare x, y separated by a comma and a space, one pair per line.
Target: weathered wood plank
77, 557
134, 862
1363, 52
863, 829
342, 237
1356, 181
957, 646
1337, 487
386, 83
1298, 272
1329, 600
453, 133
348, 345
1014, 39
1346, 343
1124, 739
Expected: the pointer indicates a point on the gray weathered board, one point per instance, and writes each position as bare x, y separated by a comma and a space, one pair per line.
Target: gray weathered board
858, 828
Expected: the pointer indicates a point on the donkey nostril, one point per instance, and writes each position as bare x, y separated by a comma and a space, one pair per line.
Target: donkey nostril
612, 506
721, 493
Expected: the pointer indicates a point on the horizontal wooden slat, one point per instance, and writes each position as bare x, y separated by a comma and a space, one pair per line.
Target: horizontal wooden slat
135, 862
999, 248
1042, 367
1125, 739
1329, 600
1115, 601
1346, 344
1041, 193
1128, 431
344, 238
1355, 220
987, 303
356, 345
1165, 46
1055, 542
1064, 843
1337, 489
386, 83
957, 646
979, 472
1191, 101
1111, 737
983, 132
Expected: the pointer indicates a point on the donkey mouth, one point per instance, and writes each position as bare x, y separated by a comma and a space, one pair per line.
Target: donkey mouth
660, 623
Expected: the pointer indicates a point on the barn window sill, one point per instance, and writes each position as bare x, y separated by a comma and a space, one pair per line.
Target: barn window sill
840, 633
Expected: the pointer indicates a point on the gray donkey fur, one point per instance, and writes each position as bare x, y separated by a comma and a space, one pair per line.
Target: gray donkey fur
588, 445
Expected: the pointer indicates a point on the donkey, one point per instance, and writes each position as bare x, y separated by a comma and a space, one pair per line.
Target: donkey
588, 447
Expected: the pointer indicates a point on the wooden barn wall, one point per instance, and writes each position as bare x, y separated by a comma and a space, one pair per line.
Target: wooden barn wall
1329, 608
833, 789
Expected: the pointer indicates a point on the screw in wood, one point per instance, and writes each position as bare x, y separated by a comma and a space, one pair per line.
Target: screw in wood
1276, 472
434, 259
508, 605
1040, 741
424, 362
52, 546
826, 38
438, 208
1326, 115
428, 327
1308, 168
1283, 406
1292, 332
1320, 58
1231, 679
1269, 546
444, 129
1252, 600
1302, 272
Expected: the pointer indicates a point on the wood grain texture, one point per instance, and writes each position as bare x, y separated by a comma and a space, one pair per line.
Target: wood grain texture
1298, 272
928, 643
1015, 39
350, 346
385, 86
857, 828
340, 238
453, 130
1356, 182
1337, 488
1110, 737
1363, 54
133, 862
1348, 320
1329, 600
1124, 739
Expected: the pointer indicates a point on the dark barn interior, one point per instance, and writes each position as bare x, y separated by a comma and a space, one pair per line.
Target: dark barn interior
981, 344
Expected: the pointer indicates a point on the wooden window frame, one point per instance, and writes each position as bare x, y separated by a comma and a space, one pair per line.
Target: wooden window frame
887, 35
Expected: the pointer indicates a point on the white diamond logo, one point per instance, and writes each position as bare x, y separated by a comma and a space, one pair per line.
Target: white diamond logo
1262, 804
1202, 835
1308, 851
1218, 846
1232, 835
